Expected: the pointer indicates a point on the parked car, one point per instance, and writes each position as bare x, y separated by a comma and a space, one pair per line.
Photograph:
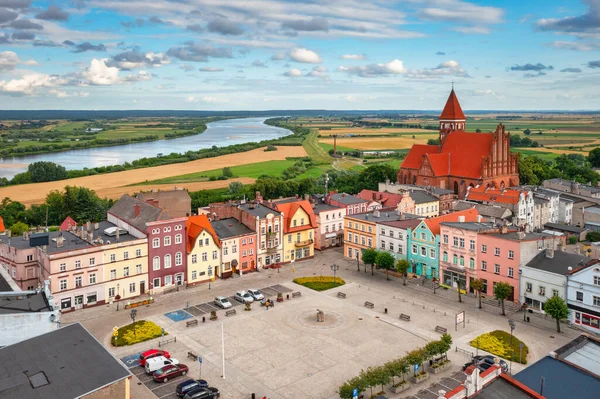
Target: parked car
149, 354
243, 297
203, 393
189, 385
222, 302
485, 362
256, 294
157, 363
169, 372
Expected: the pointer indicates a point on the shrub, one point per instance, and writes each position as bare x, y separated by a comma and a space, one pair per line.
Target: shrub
320, 283
144, 331
271, 147
498, 343
572, 240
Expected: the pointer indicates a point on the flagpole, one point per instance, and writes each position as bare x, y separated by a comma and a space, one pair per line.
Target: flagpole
223, 349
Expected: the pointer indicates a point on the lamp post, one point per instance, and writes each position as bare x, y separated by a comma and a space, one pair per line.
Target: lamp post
118, 297
133, 316
335, 268
512, 326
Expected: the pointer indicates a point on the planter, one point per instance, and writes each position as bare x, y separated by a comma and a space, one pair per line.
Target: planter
441, 367
401, 387
420, 378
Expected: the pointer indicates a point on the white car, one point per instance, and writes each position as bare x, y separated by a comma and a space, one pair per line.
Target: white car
243, 297
157, 363
223, 302
256, 294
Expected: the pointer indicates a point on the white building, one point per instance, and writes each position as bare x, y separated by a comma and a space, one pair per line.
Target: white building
565, 210
583, 296
392, 236
545, 276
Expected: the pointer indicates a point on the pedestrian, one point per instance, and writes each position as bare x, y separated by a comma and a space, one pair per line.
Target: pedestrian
267, 304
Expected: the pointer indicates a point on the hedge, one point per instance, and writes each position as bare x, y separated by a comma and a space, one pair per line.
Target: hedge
144, 330
320, 283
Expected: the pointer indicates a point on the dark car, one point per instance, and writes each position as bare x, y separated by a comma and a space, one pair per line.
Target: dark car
189, 385
169, 372
485, 362
203, 393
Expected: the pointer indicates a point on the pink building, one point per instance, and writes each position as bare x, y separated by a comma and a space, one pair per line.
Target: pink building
167, 259
330, 226
351, 203
238, 247
20, 260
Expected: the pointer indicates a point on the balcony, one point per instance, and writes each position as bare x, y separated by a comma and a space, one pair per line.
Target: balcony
271, 234
271, 250
304, 243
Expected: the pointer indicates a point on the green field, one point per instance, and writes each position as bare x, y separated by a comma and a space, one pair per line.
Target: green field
547, 156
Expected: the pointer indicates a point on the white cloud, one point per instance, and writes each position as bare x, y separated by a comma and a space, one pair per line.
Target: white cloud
28, 84
578, 46
65, 94
448, 68
293, 73
211, 69
354, 57
191, 99
319, 72
305, 56
479, 30
141, 76
394, 67
98, 73
9, 60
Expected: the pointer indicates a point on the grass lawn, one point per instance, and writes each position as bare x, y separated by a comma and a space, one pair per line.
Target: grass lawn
546, 156
314, 151
327, 147
144, 331
499, 343
319, 283
322, 286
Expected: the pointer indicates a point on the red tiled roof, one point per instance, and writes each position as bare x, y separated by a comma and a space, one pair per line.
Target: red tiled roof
67, 223
434, 223
414, 156
386, 199
194, 226
289, 209
507, 196
466, 151
452, 109
2, 228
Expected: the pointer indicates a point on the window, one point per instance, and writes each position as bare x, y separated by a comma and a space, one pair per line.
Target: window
290, 239
350, 237
178, 259
29, 258
177, 238
233, 251
382, 244
579, 296
382, 232
63, 267
113, 257
216, 253
484, 249
156, 283
92, 261
391, 233
168, 280
445, 237
302, 222
204, 256
155, 242
596, 280
93, 278
528, 287
195, 274
423, 236
206, 241
461, 242
138, 252
432, 253
63, 285
423, 251
194, 258
167, 240
483, 265
244, 252
262, 230
596, 300
370, 229
166, 230
511, 254
370, 242
471, 263
497, 268
454, 259
78, 282
178, 227
363, 240
456, 241
126, 255
511, 272
251, 239
77, 264
414, 249
156, 263
131, 287
126, 271
167, 261
542, 291
445, 256
391, 247
155, 231
496, 251
462, 260
554, 292
113, 274
138, 269
111, 292
472, 245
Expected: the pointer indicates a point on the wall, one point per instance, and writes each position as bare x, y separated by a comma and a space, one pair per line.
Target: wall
542, 278
17, 327
128, 286
583, 281
203, 270
26, 273
291, 249
176, 231
387, 236
423, 265
248, 246
357, 237
329, 223
505, 245
118, 390
428, 209
469, 256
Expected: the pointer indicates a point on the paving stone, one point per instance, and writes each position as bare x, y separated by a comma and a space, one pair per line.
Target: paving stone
195, 311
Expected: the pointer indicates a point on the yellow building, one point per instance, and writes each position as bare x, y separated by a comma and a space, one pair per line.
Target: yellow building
426, 205
299, 224
203, 250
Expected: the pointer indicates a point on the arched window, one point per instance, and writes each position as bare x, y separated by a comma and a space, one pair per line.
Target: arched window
156, 263
462, 260
167, 261
414, 179
455, 187
445, 256
454, 259
472, 263
178, 259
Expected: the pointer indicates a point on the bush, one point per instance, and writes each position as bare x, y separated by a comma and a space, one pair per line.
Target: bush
271, 147
572, 240
320, 283
498, 343
144, 331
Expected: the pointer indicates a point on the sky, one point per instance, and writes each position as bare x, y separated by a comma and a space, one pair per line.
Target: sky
293, 54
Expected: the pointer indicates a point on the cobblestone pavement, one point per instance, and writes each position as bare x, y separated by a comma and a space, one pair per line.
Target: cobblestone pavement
284, 353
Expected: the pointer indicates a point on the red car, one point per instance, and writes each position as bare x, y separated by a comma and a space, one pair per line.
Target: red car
152, 353
170, 372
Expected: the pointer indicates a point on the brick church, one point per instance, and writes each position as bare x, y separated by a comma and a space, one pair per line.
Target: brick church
461, 159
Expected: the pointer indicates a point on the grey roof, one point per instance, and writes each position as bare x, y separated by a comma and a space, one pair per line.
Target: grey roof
572, 197
540, 200
563, 199
4, 286
385, 215
318, 208
561, 380
124, 209
421, 197
230, 227
592, 209
257, 209
584, 352
16, 241
72, 242
567, 183
347, 199
402, 224
473, 226
559, 263
565, 227
484, 210
500, 388
514, 236
20, 303
66, 363
440, 191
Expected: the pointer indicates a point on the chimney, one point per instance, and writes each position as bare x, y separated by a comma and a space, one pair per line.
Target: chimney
136, 210
90, 236
521, 235
374, 195
504, 229
550, 253
461, 219
96, 226
479, 218
306, 197
117, 233
376, 214
88, 226
60, 241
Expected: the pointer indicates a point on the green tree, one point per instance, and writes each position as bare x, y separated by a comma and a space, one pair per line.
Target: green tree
557, 308
235, 188
527, 132
46, 171
402, 267
385, 260
433, 142
18, 229
417, 357
11, 211
369, 378
396, 368
446, 343
370, 177
369, 257
477, 130
381, 376
227, 172
594, 157
345, 391
533, 170
502, 291
477, 286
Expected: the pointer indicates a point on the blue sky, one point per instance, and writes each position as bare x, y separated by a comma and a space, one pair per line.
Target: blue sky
284, 54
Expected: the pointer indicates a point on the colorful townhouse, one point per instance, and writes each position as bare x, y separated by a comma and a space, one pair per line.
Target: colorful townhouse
238, 247
203, 250
299, 224
330, 226
378, 200
21, 261
167, 254
360, 230
351, 203
445, 197
424, 242
393, 236
583, 296
519, 201
426, 205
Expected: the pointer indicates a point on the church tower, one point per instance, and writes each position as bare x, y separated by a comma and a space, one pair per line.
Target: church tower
452, 117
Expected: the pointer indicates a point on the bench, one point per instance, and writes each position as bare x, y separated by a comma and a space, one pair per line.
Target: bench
230, 312
441, 329
193, 322
369, 305
296, 294
404, 317
341, 295
192, 356
166, 341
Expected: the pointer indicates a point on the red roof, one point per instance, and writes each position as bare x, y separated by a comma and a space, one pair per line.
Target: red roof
452, 110
2, 228
289, 209
434, 223
67, 223
415, 155
195, 225
507, 196
386, 199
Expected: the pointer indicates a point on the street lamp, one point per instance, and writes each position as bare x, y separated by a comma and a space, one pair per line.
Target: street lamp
133, 316
117, 297
512, 325
335, 268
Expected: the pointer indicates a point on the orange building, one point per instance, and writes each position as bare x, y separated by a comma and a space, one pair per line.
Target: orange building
461, 159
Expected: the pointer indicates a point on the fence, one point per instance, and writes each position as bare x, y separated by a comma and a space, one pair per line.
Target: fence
464, 352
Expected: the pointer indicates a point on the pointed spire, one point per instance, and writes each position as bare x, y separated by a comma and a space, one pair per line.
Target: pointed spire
452, 110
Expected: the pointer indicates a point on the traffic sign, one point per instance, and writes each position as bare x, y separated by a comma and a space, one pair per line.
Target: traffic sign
115, 328
416, 367
200, 359
355, 393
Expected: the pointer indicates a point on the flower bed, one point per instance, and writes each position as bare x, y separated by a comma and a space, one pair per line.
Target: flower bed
144, 331
140, 303
320, 283
498, 343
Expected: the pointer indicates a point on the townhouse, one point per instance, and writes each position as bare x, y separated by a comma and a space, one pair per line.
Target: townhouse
330, 225
361, 230
519, 201
583, 296
393, 236
351, 203
238, 247
19, 256
378, 200
565, 210
491, 213
299, 224
203, 250
445, 197
426, 205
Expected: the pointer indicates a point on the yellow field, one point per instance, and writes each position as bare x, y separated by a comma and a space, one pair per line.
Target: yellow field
386, 130
379, 143
113, 184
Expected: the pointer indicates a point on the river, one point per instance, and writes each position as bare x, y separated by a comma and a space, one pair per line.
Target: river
220, 133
